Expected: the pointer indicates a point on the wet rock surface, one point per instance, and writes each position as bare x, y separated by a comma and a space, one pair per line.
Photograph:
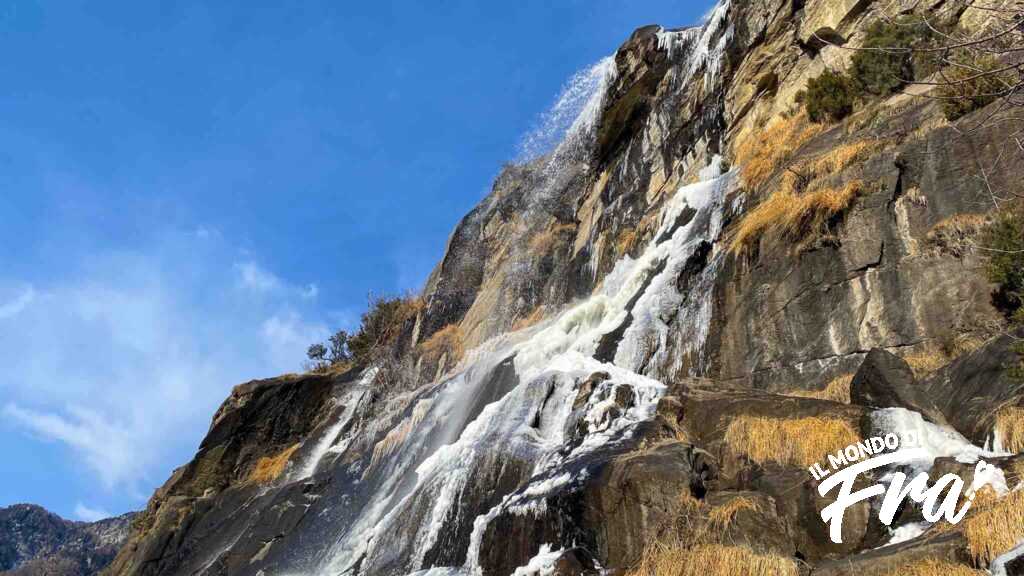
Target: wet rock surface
613, 342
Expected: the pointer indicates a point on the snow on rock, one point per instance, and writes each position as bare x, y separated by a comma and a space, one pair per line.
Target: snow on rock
998, 567
907, 532
937, 441
543, 564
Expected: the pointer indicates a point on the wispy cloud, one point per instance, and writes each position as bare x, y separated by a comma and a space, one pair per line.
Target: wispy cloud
19, 303
109, 448
130, 356
89, 514
252, 276
287, 336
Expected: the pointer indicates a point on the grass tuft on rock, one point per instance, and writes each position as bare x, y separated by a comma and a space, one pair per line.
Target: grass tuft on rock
269, 468
676, 559
932, 567
796, 217
926, 360
797, 441
1010, 428
804, 205
721, 517
837, 390
996, 529
446, 341
957, 233
760, 153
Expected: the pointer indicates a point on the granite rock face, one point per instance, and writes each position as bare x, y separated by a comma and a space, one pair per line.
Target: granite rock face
621, 364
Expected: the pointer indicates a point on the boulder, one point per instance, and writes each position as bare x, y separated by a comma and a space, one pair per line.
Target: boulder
885, 380
945, 546
624, 499
970, 390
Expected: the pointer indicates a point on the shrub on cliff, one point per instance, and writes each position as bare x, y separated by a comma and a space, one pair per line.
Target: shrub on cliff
380, 326
886, 63
829, 97
1004, 244
968, 87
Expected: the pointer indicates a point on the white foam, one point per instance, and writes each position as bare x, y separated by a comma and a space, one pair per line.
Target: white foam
907, 532
543, 564
937, 441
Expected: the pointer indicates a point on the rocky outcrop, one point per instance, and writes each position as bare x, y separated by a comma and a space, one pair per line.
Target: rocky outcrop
623, 365
970, 391
259, 421
885, 380
36, 542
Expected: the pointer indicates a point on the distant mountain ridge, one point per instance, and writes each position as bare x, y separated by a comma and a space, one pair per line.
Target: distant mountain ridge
34, 540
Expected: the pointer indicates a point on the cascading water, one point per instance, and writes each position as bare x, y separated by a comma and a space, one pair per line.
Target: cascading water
501, 434
566, 125
423, 477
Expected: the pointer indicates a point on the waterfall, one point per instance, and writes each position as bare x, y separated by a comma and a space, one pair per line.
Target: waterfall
528, 424
502, 434
573, 115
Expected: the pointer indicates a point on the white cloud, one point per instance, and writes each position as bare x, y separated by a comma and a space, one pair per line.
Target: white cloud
107, 447
255, 278
287, 336
130, 356
89, 514
19, 303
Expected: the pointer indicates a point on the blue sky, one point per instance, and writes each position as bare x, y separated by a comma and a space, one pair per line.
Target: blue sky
191, 193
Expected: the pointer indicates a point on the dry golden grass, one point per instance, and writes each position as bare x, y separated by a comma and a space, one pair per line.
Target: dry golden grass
675, 559
1014, 473
270, 468
1010, 428
799, 441
760, 153
956, 345
760, 221
960, 224
626, 241
529, 320
926, 360
931, 567
934, 355
838, 390
803, 205
446, 340
688, 503
837, 159
721, 517
997, 528
543, 242
796, 217
984, 498
955, 234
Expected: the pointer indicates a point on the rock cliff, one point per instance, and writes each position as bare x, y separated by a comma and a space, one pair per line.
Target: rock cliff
34, 541
595, 370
